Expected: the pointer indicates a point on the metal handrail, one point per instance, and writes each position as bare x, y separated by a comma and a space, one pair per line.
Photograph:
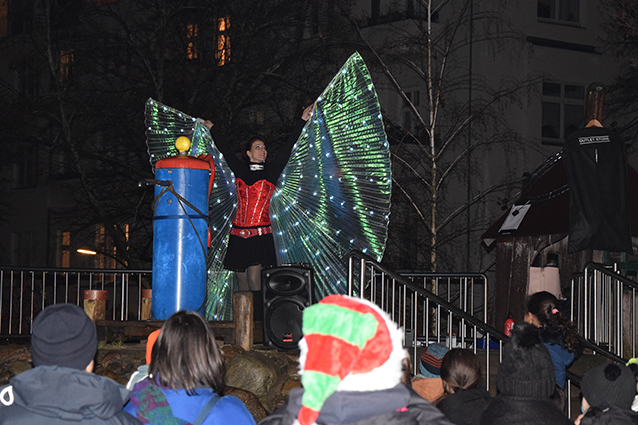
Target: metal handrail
598, 295
403, 301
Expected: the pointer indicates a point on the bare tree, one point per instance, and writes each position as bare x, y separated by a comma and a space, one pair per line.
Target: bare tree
451, 125
622, 38
247, 65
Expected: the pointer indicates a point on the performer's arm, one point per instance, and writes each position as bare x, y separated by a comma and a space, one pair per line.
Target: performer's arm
222, 144
279, 162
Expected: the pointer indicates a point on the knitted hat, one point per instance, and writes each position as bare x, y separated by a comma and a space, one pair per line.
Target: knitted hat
609, 384
527, 369
63, 335
431, 360
348, 344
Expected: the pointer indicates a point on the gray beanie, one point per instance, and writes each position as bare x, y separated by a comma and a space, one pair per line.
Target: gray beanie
527, 369
609, 384
63, 335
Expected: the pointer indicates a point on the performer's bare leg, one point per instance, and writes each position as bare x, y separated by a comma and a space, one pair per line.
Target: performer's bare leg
250, 280
242, 281
254, 277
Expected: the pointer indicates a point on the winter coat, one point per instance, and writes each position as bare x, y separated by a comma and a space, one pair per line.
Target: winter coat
610, 416
53, 395
399, 405
508, 410
465, 407
561, 357
228, 410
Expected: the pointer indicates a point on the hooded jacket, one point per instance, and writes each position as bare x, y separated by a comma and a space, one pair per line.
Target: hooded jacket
394, 406
507, 410
465, 407
611, 415
53, 395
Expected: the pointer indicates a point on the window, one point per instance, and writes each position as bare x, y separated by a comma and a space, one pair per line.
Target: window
563, 111
4, 22
25, 167
223, 41
18, 16
559, 10
66, 63
406, 112
29, 81
191, 42
60, 164
64, 249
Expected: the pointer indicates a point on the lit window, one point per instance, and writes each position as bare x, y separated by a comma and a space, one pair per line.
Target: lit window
223, 41
559, 10
66, 62
64, 249
191, 41
100, 243
563, 111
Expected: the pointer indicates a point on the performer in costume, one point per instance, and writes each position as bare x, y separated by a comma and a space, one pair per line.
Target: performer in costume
333, 195
251, 245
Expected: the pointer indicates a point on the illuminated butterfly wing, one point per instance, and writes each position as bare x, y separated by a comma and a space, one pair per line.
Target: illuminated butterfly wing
163, 125
334, 194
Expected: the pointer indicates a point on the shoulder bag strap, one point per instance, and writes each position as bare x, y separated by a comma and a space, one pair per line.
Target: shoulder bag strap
206, 410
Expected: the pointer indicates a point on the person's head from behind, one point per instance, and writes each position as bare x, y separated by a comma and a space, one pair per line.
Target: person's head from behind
527, 369
541, 306
349, 344
63, 335
460, 370
185, 355
607, 385
431, 359
255, 150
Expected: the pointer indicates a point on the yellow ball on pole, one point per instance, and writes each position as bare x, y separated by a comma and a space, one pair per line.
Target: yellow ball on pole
182, 144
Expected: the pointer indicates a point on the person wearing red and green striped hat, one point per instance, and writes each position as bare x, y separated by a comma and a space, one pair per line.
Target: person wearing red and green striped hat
351, 368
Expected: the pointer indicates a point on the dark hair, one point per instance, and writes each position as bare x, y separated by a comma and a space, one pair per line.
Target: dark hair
544, 306
460, 369
406, 368
185, 355
249, 145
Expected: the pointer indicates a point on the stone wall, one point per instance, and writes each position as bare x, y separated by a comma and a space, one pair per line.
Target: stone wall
261, 378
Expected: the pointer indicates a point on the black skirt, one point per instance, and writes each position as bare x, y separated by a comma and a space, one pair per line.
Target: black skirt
243, 253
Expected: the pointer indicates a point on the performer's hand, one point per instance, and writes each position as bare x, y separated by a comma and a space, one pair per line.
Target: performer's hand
208, 124
307, 113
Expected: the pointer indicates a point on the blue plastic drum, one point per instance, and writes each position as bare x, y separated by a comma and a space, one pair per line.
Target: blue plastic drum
180, 236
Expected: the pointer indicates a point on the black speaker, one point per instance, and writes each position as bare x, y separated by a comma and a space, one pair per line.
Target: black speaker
287, 292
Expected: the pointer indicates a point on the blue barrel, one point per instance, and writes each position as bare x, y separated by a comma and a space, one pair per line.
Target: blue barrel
180, 236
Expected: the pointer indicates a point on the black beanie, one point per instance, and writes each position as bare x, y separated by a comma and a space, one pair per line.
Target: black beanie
609, 384
527, 369
63, 335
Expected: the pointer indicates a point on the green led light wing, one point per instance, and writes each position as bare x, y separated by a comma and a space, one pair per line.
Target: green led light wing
163, 125
334, 194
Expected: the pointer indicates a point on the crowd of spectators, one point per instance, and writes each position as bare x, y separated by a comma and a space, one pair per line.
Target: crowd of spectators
354, 370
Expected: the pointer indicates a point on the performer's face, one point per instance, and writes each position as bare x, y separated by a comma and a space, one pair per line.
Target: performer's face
257, 152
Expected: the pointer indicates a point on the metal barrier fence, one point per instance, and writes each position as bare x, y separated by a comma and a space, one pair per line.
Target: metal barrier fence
466, 291
24, 292
604, 307
425, 317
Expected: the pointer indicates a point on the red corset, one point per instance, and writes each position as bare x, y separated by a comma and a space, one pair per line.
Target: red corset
253, 203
